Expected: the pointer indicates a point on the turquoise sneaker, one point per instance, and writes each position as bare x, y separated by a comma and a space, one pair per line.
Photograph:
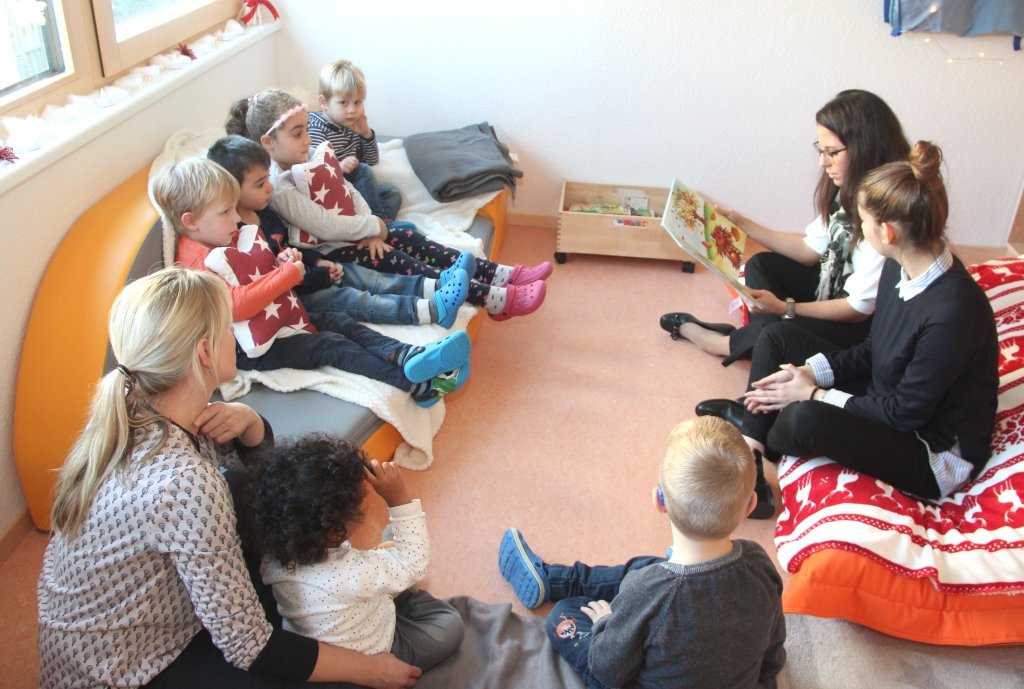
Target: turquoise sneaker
523, 570
466, 261
449, 298
443, 385
438, 357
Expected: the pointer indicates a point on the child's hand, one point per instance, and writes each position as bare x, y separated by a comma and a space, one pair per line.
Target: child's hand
224, 421
301, 267
333, 269
348, 164
376, 245
361, 126
597, 609
289, 255
387, 480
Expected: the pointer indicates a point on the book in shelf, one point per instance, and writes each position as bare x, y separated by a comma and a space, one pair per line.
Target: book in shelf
713, 240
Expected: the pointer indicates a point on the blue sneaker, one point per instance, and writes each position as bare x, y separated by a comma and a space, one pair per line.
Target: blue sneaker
439, 357
523, 570
443, 385
466, 261
449, 298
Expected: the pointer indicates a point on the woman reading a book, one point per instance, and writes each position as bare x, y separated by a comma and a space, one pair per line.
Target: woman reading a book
825, 280
915, 403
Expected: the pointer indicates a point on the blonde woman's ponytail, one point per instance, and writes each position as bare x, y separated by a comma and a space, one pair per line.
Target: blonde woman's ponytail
155, 326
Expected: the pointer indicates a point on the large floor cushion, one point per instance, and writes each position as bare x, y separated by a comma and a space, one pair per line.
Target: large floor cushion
948, 572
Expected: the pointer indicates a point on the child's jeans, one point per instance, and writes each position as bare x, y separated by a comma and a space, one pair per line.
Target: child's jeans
573, 587
370, 296
414, 254
384, 200
340, 342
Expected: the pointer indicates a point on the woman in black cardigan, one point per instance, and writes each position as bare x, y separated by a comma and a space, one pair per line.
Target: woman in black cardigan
915, 403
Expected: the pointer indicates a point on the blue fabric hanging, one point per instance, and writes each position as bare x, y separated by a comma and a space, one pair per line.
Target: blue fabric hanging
961, 17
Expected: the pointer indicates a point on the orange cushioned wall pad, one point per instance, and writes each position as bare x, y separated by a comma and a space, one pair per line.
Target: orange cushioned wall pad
837, 583
65, 343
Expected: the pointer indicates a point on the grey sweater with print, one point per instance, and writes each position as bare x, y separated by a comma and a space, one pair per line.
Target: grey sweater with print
714, 624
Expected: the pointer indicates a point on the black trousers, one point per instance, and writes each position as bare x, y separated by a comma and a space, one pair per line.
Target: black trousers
784, 277
818, 428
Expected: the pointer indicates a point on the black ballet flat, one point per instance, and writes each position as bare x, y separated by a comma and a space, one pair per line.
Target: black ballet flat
729, 410
673, 321
765, 508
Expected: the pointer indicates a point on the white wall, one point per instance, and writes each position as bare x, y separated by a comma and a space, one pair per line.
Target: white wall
37, 213
721, 93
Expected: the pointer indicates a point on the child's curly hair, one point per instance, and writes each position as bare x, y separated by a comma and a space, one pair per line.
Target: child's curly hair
302, 498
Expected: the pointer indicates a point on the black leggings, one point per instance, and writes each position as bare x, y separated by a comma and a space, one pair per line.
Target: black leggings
784, 277
818, 428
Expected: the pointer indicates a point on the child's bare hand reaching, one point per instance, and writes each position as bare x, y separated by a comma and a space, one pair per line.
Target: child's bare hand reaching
348, 164
387, 480
597, 609
334, 270
377, 247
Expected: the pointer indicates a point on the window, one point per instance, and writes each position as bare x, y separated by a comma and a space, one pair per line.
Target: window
34, 51
64, 47
131, 31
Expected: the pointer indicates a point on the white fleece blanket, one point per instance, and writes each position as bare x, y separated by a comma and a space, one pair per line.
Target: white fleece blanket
443, 222
417, 425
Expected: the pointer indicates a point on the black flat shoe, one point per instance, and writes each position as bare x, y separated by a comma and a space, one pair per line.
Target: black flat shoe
765, 502
730, 410
673, 321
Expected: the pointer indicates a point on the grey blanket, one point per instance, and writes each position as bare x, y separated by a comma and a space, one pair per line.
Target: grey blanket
457, 163
501, 650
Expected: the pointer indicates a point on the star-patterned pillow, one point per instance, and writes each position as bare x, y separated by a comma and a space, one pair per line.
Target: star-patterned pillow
246, 262
323, 181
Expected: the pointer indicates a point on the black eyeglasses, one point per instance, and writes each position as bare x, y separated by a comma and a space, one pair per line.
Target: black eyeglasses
830, 156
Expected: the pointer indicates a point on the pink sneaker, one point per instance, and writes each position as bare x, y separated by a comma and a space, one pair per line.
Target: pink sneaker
521, 300
522, 275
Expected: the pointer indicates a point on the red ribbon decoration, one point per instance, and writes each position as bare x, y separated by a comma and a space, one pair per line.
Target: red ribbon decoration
254, 6
186, 51
7, 154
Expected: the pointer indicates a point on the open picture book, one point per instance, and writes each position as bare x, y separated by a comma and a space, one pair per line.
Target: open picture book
713, 240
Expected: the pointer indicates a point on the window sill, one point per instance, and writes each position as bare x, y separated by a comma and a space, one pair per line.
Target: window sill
31, 162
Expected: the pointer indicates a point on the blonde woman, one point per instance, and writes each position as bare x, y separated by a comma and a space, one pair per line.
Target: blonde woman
144, 583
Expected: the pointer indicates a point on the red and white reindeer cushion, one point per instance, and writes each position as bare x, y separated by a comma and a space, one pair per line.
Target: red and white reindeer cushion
246, 262
323, 181
969, 543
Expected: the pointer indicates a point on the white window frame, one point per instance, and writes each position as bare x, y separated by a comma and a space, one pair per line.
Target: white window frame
117, 56
88, 33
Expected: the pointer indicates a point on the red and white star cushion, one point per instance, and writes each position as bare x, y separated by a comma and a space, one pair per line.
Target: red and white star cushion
248, 261
323, 181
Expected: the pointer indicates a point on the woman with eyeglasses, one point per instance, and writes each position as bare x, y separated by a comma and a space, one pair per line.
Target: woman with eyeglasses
914, 404
825, 280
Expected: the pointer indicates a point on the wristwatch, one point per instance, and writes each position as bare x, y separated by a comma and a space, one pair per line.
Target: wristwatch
790, 308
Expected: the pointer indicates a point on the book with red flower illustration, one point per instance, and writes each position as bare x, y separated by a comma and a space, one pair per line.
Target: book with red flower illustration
709, 237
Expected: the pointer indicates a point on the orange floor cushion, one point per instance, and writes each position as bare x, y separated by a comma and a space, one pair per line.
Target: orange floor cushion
948, 572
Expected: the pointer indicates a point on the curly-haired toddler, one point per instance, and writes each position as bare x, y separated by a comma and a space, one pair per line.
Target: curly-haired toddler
304, 500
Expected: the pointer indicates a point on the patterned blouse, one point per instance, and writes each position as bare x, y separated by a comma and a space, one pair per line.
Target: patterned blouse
157, 559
